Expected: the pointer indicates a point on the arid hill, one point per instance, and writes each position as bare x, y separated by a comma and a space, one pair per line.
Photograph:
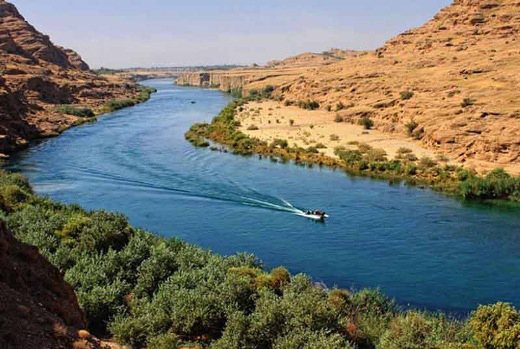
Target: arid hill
37, 76
452, 83
311, 59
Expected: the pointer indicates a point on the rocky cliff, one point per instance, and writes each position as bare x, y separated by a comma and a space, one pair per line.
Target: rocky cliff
453, 83
38, 309
37, 76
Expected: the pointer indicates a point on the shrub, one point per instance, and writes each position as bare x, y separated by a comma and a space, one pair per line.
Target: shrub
340, 106
76, 111
321, 146
495, 185
466, 102
338, 118
164, 341
366, 122
12, 195
334, 137
427, 162
406, 95
282, 143
236, 92
144, 93
407, 332
350, 156
252, 128
291, 122
497, 326
116, 104
404, 150
279, 278
376, 155
411, 126
364, 148
311, 105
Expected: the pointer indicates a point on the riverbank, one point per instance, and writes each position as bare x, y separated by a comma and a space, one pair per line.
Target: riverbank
356, 158
182, 293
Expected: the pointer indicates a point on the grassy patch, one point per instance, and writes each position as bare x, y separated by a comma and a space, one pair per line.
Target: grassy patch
76, 111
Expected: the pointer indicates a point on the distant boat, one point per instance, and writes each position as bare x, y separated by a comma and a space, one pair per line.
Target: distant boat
315, 215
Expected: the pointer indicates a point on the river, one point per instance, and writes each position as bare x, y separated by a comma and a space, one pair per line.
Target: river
420, 247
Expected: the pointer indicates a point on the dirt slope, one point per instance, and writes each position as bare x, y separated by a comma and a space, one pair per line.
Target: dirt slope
38, 309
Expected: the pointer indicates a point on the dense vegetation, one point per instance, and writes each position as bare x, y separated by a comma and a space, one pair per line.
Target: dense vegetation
76, 111
144, 94
359, 159
154, 292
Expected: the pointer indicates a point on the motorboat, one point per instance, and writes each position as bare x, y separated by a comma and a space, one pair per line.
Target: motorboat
315, 215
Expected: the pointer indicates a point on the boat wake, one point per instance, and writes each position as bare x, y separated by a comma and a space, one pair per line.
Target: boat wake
232, 193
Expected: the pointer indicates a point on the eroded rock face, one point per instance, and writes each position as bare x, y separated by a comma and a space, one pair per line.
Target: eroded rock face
37, 76
21, 38
38, 309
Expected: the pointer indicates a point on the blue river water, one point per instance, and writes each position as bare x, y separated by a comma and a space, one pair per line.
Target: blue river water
420, 247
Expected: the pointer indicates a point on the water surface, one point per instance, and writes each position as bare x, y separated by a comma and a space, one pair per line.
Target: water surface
421, 247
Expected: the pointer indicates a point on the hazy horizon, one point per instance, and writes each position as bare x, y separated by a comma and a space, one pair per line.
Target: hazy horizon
121, 34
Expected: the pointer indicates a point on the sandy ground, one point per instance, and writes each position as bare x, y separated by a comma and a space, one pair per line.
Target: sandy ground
313, 127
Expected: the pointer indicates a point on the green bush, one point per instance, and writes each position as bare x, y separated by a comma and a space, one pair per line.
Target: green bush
406, 95
282, 143
237, 92
496, 326
366, 122
116, 104
340, 106
71, 110
11, 196
466, 102
411, 126
497, 184
164, 341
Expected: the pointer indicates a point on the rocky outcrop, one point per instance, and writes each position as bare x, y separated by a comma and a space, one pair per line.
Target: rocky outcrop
38, 309
21, 38
37, 76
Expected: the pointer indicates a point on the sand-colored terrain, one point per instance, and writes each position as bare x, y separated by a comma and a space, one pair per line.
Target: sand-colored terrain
311, 128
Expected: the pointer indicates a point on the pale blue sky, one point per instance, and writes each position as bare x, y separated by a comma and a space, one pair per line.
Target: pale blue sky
127, 33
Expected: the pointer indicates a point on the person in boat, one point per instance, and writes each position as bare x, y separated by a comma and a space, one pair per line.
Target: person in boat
317, 213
